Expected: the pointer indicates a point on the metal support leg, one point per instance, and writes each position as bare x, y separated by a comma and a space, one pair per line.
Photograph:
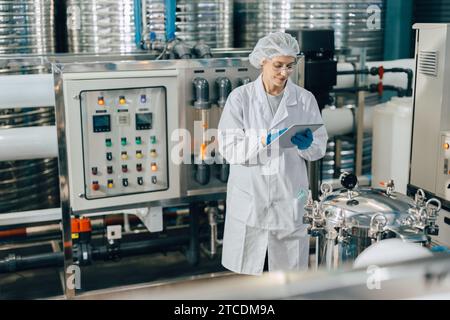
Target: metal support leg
193, 255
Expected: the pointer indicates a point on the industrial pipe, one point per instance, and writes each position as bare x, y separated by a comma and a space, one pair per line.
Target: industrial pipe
14, 263
391, 78
28, 143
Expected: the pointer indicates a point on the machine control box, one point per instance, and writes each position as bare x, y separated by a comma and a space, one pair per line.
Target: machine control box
114, 126
124, 141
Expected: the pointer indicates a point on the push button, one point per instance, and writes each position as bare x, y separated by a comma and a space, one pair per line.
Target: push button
123, 141
124, 155
138, 140
153, 153
95, 185
110, 184
139, 167
109, 169
153, 139
108, 143
124, 168
94, 171
139, 154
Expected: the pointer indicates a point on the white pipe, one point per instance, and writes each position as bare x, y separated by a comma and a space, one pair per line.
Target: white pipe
389, 78
41, 142
28, 143
340, 121
26, 91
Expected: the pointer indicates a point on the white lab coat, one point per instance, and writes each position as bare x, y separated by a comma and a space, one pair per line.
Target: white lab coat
263, 202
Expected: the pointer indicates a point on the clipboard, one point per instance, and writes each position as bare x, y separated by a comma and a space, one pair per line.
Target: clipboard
284, 140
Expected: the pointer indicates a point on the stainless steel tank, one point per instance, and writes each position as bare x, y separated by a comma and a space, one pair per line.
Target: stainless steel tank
349, 18
27, 26
347, 158
100, 26
155, 17
106, 26
207, 20
347, 221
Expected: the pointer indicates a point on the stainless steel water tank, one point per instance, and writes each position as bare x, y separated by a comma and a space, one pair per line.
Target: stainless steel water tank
27, 26
106, 26
207, 20
349, 18
347, 158
100, 26
155, 17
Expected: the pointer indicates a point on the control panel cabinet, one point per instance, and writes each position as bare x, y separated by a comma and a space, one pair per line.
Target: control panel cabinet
117, 129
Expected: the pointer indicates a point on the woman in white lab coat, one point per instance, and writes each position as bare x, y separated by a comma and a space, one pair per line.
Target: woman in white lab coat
265, 197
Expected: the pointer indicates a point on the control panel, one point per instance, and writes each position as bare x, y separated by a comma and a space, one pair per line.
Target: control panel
443, 174
124, 141
114, 127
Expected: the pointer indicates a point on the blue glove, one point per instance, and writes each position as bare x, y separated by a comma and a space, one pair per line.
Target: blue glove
273, 136
303, 139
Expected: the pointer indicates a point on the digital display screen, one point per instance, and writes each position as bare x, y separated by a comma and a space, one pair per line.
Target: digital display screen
143, 121
102, 123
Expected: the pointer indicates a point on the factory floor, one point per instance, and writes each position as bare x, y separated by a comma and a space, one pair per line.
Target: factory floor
46, 283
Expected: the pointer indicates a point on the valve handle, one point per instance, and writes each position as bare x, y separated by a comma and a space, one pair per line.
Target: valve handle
326, 188
436, 201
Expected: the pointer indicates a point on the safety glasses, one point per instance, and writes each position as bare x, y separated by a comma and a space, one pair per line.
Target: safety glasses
278, 67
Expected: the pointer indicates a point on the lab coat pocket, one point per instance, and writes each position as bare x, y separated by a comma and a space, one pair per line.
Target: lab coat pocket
239, 204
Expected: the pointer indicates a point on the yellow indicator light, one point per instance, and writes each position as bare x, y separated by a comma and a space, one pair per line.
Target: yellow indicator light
154, 167
101, 101
122, 100
446, 146
139, 155
153, 153
124, 156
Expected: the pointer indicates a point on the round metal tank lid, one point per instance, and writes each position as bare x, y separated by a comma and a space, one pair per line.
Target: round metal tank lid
363, 204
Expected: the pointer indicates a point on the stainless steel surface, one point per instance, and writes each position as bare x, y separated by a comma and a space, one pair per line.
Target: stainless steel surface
256, 18
155, 16
344, 158
27, 26
100, 26
363, 203
207, 20
350, 220
418, 279
109, 26
30, 217
66, 210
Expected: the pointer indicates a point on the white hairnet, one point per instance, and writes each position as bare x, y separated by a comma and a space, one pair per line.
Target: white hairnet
274, 45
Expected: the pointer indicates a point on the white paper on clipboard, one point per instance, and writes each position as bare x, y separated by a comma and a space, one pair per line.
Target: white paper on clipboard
284, 140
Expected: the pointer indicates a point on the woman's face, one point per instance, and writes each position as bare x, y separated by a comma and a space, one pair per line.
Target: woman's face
278, 69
